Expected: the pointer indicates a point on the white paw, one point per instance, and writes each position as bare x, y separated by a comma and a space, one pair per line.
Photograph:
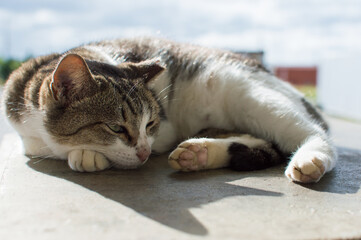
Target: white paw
87, 161
311, 161
189, 156
36, 147
306, 169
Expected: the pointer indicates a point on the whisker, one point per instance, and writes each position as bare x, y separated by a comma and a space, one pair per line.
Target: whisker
169, 100
132, 88
165, 89
170, 91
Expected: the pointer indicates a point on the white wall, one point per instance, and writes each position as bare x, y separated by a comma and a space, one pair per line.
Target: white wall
339, 87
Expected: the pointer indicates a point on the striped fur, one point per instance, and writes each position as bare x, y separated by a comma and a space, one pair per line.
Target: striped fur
107, 103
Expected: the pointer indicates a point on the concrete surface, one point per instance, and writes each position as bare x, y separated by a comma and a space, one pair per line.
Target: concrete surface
44, 199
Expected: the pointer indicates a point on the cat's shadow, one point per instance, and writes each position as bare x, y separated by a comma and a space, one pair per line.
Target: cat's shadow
168, 197
156, 191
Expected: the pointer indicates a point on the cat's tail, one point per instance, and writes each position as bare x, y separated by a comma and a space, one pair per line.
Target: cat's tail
244, 158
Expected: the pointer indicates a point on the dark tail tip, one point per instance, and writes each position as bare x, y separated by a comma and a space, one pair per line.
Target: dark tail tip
244, 158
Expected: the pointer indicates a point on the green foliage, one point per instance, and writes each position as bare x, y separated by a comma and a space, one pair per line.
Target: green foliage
309, 91
6, 67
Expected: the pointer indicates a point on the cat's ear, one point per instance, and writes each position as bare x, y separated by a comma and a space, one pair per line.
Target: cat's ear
147, 70
72, 79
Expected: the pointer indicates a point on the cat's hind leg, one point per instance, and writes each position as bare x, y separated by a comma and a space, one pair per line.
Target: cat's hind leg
313, 151
238, 151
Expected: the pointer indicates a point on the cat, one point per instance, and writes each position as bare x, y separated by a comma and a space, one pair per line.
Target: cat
113, 103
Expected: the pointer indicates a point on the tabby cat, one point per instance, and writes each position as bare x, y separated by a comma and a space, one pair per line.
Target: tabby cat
112, 103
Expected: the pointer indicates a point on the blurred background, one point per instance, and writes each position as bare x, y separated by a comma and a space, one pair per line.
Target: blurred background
315, 45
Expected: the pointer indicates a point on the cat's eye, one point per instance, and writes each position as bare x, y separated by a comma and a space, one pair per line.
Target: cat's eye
150, 124
117, 128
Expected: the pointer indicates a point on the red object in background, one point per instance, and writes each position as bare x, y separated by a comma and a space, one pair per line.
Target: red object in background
297, 75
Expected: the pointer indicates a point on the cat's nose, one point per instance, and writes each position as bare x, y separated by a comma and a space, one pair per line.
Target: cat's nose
143, 154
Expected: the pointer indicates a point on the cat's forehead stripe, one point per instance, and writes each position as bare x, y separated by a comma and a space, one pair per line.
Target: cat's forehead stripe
130, 106
133, 95
124, 114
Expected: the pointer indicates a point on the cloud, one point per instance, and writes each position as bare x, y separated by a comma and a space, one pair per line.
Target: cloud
291, 32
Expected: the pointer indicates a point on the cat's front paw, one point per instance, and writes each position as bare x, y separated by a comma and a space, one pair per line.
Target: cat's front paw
306, 170
189, 156
87, 161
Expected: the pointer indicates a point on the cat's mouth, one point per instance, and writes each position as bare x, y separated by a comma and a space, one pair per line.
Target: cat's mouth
127, 159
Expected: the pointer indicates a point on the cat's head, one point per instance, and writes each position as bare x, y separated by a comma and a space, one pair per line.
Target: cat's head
104, 108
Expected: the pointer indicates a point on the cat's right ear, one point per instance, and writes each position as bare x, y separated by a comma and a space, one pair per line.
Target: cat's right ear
72, 79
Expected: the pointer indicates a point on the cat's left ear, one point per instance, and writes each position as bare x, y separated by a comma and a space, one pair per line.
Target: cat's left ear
147, 70
72, 79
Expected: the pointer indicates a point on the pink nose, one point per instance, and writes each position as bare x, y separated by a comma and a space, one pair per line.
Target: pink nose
143, 154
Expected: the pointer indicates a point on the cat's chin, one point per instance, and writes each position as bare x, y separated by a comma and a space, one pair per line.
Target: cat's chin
123, 160
123, 166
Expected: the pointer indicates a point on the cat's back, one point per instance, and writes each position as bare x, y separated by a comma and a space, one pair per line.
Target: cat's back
24, 83
177, 56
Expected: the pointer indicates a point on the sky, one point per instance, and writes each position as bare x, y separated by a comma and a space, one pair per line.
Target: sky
291, 32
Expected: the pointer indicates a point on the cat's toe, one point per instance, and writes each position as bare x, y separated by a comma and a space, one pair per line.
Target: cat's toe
101, 162
75, 160
87, 161
306, 171
189, 157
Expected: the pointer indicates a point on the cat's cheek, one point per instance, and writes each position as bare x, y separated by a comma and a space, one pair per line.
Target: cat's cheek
122, 156
150, 141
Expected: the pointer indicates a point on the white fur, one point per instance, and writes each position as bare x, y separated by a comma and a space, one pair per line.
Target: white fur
166, 138
224, 96
37, 142
214, 155
102, 51
143, 140
33, 134
229, 97
125, 156
312, 160
35, 147
87, 161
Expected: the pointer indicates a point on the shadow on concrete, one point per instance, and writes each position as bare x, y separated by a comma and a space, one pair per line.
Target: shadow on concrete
156, 191
345, 178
